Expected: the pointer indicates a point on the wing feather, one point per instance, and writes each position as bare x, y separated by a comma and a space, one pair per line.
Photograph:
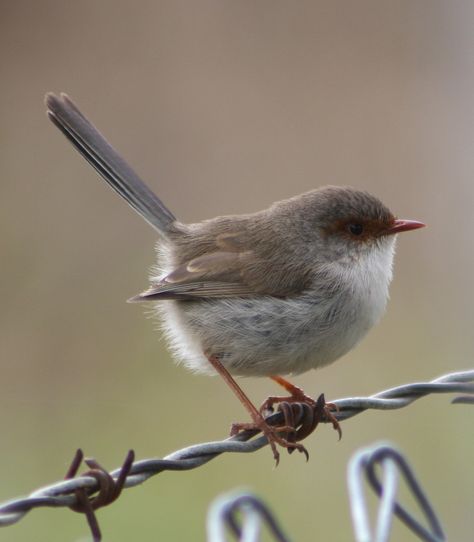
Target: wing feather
214, 275
190, 291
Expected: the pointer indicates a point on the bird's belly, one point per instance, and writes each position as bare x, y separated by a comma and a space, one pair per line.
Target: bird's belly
265, 336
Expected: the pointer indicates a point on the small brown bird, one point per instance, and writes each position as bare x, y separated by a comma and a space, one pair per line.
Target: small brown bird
281, 291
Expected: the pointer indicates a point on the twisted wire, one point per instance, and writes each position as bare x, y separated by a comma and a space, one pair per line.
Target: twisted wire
64, 493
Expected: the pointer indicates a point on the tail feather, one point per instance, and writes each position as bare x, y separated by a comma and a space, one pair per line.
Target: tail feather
107, 162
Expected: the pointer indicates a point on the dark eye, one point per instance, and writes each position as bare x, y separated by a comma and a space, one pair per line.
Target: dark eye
355, 228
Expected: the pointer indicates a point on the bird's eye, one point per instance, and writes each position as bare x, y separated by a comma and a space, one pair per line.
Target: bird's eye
355, 228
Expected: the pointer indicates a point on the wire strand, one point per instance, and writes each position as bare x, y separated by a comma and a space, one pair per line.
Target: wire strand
64, 493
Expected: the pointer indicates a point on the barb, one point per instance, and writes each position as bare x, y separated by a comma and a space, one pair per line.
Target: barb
394, 465
243, 515
109, 489
63, 494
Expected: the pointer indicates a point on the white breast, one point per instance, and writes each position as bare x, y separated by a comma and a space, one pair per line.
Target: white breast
265, 335
369, 277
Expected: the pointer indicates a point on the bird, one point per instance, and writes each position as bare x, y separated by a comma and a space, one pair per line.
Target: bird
272, 293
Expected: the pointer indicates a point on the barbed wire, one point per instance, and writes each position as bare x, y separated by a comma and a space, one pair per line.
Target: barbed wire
97, 487
242, 516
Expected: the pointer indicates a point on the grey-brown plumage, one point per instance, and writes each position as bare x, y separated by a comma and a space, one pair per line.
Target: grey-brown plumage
280, 291
277, 252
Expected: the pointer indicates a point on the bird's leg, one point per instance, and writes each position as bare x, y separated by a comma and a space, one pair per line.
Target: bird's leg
297, 395
258, 421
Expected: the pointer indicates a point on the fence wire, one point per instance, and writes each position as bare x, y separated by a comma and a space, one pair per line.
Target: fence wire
242, 516
97, 487
393, 466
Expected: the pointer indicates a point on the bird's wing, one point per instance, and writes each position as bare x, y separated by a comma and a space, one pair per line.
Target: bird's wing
193, 290
216, 275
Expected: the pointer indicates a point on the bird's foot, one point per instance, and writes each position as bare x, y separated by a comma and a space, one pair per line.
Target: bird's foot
314, 410
275, 435
284, 435
301, 414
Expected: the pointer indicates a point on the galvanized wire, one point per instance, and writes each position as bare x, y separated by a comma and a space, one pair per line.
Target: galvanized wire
64, 493
363, 465
401, 396
242, 516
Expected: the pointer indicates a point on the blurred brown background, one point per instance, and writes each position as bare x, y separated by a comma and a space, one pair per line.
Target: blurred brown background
224, 107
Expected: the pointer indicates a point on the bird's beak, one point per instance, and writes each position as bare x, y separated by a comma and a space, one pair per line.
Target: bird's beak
400, 224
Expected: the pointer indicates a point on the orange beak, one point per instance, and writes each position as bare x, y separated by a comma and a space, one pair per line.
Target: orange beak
399, 225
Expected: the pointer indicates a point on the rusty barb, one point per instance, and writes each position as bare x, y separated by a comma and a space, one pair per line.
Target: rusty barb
109, 488
97, 488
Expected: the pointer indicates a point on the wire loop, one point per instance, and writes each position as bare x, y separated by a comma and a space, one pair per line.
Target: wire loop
393, 465
76, 491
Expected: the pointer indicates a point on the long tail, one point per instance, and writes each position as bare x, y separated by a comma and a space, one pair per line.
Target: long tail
107, 162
